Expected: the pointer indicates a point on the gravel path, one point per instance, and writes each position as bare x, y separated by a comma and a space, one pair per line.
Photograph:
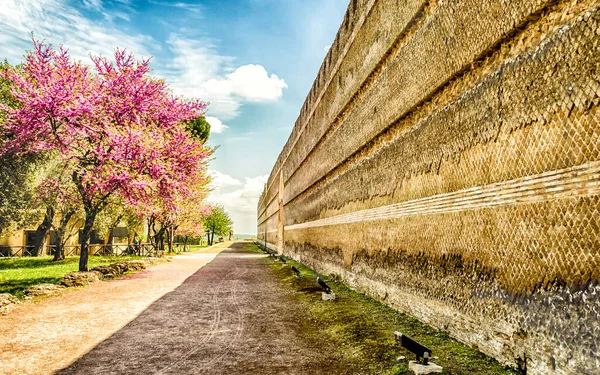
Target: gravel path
229, 317
43, 337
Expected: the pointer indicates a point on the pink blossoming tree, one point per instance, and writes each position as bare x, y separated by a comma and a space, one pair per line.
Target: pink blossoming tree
120, 131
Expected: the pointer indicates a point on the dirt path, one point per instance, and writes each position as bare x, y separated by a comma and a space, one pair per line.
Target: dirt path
44, 337
231, 316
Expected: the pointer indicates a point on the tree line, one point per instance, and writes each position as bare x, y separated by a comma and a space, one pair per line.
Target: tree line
93, 145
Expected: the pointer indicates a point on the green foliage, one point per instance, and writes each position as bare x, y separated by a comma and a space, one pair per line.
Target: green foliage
218, 222
111, 217
16, 172
199, 128
6, 96
16, 193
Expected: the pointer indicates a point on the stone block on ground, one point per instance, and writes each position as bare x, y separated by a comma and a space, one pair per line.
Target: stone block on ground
80, 278
7, 302
328, 296
115, 270
43, 290
107, 272
419, 368
136, 265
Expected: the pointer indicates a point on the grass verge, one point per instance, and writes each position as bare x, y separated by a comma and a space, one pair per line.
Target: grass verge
362, 329
18, 274
195, 248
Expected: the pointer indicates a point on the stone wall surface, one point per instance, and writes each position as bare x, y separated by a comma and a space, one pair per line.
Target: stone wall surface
447, 162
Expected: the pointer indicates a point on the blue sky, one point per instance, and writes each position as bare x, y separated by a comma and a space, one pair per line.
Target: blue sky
254, 60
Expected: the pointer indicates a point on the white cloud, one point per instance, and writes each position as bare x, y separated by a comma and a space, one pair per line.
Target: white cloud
58, 23
93, 4
197, 70
195, 8
216, 125
188, 7
245, 199
97, 6
250, 82
326, 48
222, 180
241, 203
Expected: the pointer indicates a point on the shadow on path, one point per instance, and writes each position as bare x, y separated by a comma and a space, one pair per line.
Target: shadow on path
230, 317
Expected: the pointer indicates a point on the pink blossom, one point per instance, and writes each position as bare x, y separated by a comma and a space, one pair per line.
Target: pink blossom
120, 130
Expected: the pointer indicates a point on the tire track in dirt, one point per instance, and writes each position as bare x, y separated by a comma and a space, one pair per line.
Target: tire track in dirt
240, 327
54, 333
208, 335
230, 317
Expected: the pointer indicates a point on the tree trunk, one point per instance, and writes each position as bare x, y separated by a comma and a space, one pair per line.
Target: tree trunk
41, 233
110, 237
160, 238
170, 238
150, 223
168, 235
59, 252
90, 217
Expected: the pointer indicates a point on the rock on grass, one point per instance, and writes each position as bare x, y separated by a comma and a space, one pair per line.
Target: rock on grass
43, 290
111, 271
7, 302
117, 269
80, 278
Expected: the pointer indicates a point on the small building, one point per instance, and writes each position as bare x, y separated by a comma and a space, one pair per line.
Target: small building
21, 242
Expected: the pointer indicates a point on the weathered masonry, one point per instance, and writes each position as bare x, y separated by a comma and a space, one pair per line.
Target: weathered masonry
447, 162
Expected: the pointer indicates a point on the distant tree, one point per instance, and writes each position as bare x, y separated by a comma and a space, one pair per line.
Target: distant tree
16, 190
217, 222
16, 171
182, 215
199, 128
191, 213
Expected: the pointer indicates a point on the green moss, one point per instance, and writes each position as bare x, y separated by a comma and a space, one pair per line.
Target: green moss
252, 247
362, 329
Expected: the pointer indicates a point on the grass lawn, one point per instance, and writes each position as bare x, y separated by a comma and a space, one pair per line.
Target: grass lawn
193, 248
362, 329
188, 249
17, 274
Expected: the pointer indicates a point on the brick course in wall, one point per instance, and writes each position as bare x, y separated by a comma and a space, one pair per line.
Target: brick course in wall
447, 162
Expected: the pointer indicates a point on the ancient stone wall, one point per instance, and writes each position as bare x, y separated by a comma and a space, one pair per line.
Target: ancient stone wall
447, 162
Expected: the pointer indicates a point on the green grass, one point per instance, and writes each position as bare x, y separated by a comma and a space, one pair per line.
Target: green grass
194, 248
188, 249
362, 329
17, 274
